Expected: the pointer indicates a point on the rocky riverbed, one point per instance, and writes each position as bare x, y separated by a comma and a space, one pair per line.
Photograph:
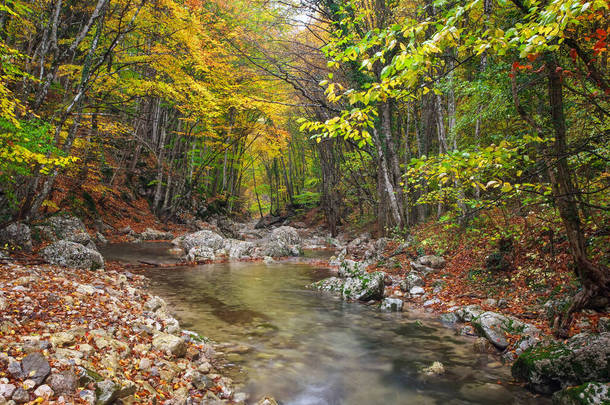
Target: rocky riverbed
77, 329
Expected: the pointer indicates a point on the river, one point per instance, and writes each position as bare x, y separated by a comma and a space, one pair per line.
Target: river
304, 348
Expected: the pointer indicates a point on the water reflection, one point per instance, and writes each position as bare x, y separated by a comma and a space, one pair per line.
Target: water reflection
306, 349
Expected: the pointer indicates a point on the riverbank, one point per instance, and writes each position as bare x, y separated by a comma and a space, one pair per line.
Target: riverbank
76, 336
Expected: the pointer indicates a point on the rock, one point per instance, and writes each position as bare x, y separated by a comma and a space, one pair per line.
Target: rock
17, 236
126, 230
21, 396
170, 344
28, 384
34, 344
200, 253
496, 327
6, 390
154, 304
369, 286
62, 339
592, 393
237, 249
283, 241
432, 302
153, 234
14, 368
603, 325
417, 291
267, 401
44, 391
436, 368
365, 287
489, 302
87, 396
436, 262
482, 345
411, 280
468, 313
101, 239
64, 382
36, 367
392, 304
106, 392
549, 368
449, 318
351, 268
63, 227
72, 255
204, 238
268, 260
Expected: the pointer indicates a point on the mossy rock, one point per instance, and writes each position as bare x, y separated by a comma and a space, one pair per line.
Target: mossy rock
592, 393
549, 368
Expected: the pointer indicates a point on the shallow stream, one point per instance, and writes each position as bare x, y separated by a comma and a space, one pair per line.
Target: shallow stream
304, 348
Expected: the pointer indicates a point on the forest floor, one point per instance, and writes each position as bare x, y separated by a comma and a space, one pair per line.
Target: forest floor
537, 270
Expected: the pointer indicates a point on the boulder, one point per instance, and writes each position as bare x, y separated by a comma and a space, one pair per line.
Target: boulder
7, 390
153, 234
200, 253
21, 396
592, 393
17, 236
392, 304
44, 391
170, 344
66, 227
365, 287
549, 368
72, 255
237, 249
35, 367
283, 241
204, 238
496, 327
351, 268
436, 262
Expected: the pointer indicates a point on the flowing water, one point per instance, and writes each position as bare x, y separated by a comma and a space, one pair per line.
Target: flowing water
304, 348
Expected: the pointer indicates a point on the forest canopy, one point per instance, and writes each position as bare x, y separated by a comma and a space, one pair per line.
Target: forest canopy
387, 113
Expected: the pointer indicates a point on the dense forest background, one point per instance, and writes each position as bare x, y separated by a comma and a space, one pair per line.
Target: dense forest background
481, 115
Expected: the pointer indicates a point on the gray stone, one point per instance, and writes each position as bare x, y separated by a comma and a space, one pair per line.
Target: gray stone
549, 368
449, 318
154, 303
431, 302
284, 241
200, 253
153, 234
411, 280
6, 390
44, 391
435, 262
237, 249
170, 344
392, 304
351, 268
468, 313
366, 287
203, 238
64, 227
496, 327
17, 236
21, 396
14, 368
64, 382
73, 255
36, 367
417, 291
592, 393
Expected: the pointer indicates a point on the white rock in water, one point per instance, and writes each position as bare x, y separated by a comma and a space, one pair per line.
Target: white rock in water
436, 368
